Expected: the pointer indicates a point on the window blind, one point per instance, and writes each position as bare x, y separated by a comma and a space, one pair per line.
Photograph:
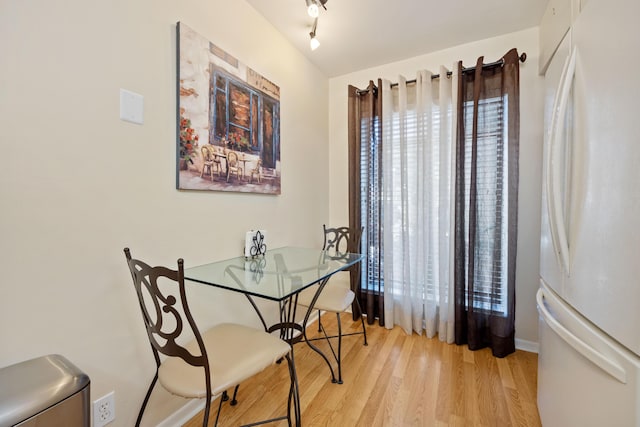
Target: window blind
371, 202
490, 252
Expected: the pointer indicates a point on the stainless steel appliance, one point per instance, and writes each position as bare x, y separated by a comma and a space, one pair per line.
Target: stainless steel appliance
589, 296
47, 391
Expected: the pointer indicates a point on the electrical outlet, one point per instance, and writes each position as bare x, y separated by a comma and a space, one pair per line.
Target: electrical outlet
104, 410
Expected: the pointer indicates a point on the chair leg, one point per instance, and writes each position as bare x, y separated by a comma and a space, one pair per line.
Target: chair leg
207, 411
206, 419
234, 402
319, 321
364, 330
146, 399
339, 358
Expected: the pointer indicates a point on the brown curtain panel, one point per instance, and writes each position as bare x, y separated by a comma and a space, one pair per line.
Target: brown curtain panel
365, 204
486, 205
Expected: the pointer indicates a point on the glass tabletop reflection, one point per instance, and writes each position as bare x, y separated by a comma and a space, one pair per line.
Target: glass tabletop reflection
276, 275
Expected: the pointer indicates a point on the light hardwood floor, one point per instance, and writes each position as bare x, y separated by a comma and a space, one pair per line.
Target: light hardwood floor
397, 380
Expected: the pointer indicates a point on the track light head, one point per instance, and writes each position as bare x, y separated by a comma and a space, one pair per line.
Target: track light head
314, 43
313, 7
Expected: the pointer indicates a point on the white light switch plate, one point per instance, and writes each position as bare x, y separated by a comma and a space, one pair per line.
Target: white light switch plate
131, 106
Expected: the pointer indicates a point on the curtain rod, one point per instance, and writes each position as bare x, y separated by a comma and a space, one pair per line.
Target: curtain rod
523, 58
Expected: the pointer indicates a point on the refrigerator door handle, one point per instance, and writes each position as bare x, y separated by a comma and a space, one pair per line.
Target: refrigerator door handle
597, 358
549, 176
556, 216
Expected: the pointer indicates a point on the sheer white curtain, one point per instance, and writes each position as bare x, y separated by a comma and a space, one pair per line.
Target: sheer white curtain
418, 122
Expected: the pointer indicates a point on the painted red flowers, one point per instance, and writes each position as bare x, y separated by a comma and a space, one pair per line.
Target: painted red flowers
188, 140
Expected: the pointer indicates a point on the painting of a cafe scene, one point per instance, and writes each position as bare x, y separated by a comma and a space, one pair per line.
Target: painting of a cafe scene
228, 121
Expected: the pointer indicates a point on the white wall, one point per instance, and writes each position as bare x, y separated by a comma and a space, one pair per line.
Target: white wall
77, 184
531, 110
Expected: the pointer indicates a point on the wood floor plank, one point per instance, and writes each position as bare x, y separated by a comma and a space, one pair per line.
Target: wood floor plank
505, 372
421, 399
397, 380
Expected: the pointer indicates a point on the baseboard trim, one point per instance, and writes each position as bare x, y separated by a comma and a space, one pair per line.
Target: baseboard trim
184, 414
527, 345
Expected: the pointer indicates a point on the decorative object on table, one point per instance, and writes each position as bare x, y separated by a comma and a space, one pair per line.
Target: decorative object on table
255, 243
230, 108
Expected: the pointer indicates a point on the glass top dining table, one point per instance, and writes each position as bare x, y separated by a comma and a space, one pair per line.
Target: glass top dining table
277, 275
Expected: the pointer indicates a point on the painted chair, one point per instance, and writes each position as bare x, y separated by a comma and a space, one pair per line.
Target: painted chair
233, 165
256, 171
210, 161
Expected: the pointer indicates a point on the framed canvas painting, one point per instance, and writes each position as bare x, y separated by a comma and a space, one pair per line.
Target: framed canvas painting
228, 121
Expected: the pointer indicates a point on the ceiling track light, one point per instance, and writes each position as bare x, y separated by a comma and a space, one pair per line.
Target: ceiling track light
313, 7
314, 43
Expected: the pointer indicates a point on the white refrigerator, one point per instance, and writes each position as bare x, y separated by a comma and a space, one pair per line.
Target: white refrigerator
589, 296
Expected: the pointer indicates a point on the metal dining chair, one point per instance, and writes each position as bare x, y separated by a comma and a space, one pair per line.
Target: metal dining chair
213, 361
338, 242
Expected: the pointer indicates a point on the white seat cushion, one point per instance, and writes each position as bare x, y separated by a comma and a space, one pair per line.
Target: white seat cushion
235, 353
332, 298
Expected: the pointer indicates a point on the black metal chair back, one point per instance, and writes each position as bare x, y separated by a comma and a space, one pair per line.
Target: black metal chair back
166, 318
339, 241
